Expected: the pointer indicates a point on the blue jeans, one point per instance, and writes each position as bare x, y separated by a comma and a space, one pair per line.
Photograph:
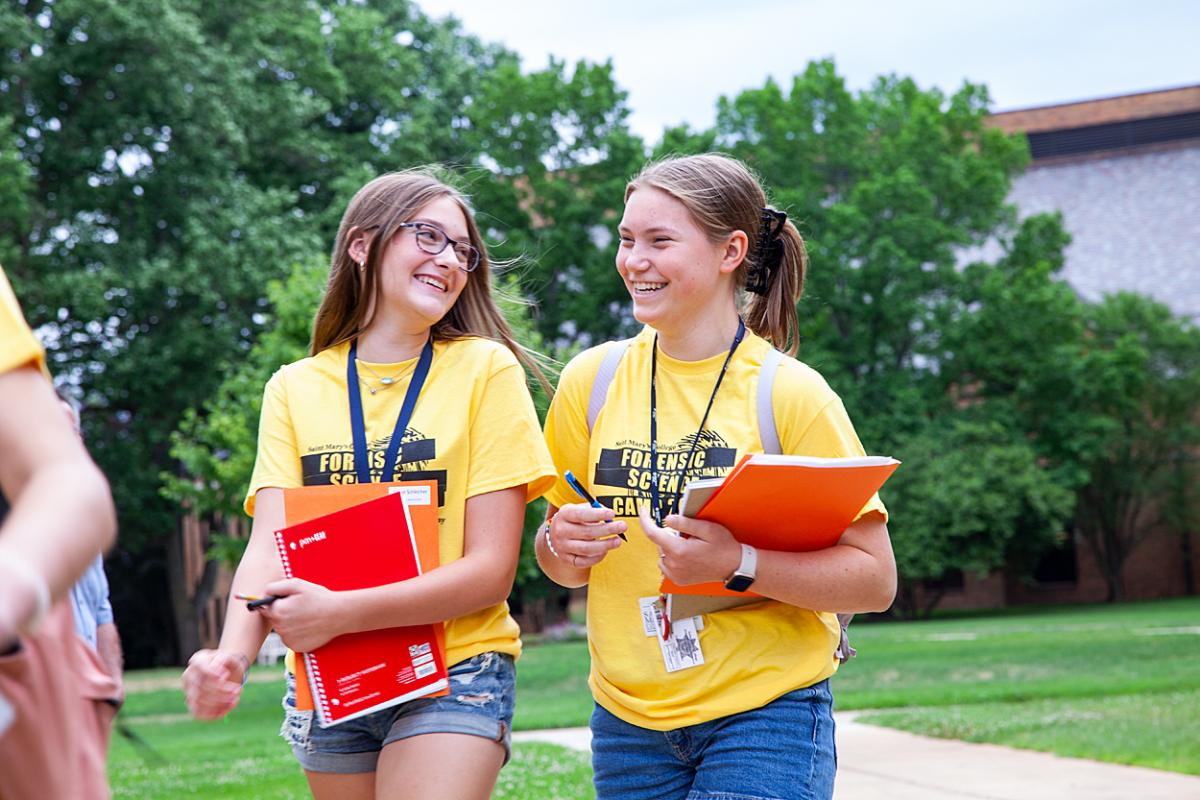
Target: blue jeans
480, 703
782, 751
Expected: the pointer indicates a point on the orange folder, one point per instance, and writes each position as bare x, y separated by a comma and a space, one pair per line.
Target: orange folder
310, 502
790, 503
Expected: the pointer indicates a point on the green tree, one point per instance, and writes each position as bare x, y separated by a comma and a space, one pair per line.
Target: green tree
552, 174
973, 498
163, 162
1139, 380
890, 186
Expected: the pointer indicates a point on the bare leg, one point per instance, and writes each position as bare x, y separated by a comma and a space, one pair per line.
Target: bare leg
448, 766
335, 786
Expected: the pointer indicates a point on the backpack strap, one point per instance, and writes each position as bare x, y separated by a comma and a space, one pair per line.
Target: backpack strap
769, 435
604, 378
767, 432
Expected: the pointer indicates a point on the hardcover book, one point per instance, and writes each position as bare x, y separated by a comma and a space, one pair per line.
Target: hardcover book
776, 502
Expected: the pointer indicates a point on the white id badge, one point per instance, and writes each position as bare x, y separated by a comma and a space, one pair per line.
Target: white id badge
681, 650
649, 617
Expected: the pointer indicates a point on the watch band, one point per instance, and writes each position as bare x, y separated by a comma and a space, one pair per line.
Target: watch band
743, 577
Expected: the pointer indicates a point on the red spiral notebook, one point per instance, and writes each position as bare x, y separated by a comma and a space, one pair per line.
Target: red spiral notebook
365, 545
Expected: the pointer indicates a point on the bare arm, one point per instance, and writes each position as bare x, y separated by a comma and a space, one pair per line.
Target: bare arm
308, 615
858, 574
62, 513
213, 679
108, 647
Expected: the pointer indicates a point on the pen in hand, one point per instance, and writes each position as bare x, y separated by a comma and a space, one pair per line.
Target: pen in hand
574, 483
254, 601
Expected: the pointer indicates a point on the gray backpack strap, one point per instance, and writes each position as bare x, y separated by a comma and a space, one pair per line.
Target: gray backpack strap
769, 435
604, 377
767, 431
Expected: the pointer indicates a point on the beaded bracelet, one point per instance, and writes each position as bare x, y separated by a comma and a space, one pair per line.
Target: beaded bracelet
546, 536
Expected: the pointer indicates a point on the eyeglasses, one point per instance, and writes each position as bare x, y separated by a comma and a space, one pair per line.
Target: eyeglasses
433, 240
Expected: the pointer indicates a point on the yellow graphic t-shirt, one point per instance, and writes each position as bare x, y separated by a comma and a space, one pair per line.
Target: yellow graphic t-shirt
474, 431
752, 654
17, 345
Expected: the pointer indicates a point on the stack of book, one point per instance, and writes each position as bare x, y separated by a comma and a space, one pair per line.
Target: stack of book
776, 502
356, 537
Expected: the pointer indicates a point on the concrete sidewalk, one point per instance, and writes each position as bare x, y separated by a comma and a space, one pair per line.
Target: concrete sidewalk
883, 764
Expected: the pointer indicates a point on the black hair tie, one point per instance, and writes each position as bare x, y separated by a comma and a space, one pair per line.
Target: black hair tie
768, 251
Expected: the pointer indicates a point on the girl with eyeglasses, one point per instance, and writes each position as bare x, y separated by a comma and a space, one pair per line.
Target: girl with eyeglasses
408, 311
734, 703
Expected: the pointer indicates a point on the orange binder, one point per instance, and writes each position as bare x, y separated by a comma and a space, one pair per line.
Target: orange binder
790, 503
310, 502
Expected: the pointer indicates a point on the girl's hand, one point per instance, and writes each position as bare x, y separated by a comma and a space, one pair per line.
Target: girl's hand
212, 682
704, 552
581, 536
306, 614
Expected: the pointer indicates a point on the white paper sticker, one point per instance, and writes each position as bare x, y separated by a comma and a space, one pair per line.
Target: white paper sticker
649, 617
681, 650
413, 495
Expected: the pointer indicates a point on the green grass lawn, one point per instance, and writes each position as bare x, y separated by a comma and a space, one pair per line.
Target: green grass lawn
1116, 683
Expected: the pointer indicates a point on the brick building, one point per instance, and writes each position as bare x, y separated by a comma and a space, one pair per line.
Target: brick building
1125, 173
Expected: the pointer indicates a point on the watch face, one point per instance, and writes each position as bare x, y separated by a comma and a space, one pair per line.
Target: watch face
739, 583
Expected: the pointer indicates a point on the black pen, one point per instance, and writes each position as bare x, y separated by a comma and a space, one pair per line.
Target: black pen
254, 601
574, 483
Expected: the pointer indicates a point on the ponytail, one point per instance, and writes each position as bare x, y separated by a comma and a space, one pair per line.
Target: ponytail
775, 281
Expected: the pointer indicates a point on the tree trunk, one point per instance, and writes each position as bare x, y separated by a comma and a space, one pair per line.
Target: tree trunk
187, 626
192, 577
1185, 552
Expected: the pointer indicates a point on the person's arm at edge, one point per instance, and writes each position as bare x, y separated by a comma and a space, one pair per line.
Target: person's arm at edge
61, 513
108, 647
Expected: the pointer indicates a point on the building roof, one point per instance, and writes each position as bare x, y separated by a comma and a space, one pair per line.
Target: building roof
1101, 111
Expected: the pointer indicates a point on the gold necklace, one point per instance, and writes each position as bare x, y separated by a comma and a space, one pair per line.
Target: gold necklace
385, 382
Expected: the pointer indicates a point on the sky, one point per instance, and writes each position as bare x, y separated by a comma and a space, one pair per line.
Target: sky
676, 58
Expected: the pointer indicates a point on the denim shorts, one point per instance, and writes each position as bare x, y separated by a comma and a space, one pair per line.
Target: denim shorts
480, 703
781, 751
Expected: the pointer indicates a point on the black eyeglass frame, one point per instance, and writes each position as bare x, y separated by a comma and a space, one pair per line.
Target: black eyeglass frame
472, 263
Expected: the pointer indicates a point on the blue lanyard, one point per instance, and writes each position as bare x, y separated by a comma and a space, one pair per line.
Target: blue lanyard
358, 428
656, 508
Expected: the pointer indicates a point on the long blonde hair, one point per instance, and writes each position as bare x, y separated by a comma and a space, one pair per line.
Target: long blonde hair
723, 195
382, 206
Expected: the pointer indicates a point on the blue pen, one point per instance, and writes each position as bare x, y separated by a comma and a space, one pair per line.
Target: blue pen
574, 483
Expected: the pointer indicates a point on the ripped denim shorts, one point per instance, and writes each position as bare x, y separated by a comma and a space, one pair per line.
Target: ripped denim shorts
480, 703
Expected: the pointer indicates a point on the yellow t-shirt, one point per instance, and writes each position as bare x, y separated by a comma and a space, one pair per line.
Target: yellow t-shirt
752, 654
474, 430
17, 345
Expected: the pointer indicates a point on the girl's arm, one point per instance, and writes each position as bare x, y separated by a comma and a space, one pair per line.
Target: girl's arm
213, 679
858, 574
62, 514
308, 615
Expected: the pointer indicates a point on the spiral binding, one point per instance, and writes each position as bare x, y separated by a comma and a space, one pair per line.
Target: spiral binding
314, 671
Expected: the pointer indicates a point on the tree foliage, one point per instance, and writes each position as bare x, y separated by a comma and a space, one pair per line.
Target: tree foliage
162, 163
172, 172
